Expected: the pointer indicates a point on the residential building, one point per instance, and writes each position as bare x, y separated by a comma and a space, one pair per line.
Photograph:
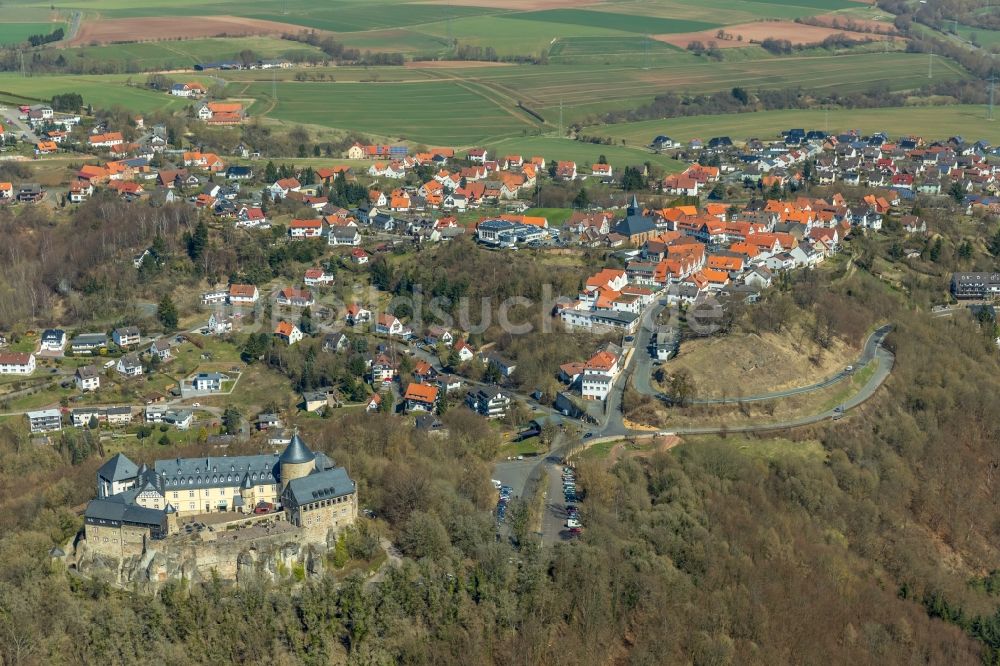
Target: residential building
488, 401
288, 332
87, 378
53, 339
243, 294
129, 365
16, 363
44, 420
209, 382
88, 343
126, 336
161, 349
420, 397
975, 285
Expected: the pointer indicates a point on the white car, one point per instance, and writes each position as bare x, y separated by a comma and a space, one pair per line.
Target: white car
496, 484
573, 522
196, 404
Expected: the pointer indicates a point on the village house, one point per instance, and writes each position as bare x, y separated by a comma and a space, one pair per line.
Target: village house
243, 294
87, 378
126, 336
52, 339
357, 314
160, 349
420, 397
299, 298
288, 333
16, 363
129, 365
489, 401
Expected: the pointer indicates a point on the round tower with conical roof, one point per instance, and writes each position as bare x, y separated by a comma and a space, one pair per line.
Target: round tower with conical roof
295, 462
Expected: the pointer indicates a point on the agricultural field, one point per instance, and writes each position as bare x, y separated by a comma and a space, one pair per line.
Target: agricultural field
932, 122
106, 90
581, 153
441, 112
145, 56
615, 21
15, 33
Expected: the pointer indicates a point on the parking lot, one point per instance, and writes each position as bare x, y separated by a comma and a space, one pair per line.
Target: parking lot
561, 521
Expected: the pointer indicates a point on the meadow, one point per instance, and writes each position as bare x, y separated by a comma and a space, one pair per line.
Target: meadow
15, 33
145, 56
584, 154
935, 122
101, 91
444, 112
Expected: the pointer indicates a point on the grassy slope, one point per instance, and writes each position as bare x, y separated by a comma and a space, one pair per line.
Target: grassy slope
944, 121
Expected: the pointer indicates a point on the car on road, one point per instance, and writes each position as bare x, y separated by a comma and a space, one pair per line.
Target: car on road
196, 404
496, 484
588, 435
849, 369
629, 338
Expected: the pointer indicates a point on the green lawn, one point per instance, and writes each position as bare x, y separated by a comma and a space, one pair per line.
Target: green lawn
929, 122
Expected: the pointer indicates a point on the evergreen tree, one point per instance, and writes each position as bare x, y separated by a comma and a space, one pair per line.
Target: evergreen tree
167, 313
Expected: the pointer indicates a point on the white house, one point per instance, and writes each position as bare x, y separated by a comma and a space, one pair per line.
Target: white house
288, 332
126, 336
87, 378
208, 381
387, 324
53, 339
17, 363
45, 420
129, 365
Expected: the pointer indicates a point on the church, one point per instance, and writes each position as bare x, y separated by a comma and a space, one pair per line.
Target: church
137, 502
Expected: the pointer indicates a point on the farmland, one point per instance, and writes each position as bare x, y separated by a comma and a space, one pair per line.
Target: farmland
447, 112
143, 56
104, 91
936, 121
15, 33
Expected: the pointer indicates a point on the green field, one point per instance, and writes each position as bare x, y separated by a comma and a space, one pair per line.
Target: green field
584, 154
625, 22
145, 56
15, 33
101, 91
937, 122
445, 112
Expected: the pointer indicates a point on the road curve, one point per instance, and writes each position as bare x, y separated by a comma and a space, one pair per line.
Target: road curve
872, 345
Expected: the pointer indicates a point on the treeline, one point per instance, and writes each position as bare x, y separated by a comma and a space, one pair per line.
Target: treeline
342, 55
54, 36
740, 100
477, 53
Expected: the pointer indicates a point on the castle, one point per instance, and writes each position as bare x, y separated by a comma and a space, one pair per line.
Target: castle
137, 504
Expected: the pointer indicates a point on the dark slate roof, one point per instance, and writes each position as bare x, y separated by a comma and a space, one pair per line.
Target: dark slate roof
217, 472
118, 468
121, 509
635, 223
319, 486
296, 452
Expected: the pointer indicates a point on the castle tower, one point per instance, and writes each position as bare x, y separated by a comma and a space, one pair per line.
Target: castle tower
172, 524
296, 461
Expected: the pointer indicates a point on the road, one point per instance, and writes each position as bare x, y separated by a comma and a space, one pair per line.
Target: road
10, 118
872, 344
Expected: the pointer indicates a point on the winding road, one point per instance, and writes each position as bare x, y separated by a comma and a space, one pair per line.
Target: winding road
871, 347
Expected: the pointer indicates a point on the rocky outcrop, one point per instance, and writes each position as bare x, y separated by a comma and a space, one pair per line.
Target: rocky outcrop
192, 560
